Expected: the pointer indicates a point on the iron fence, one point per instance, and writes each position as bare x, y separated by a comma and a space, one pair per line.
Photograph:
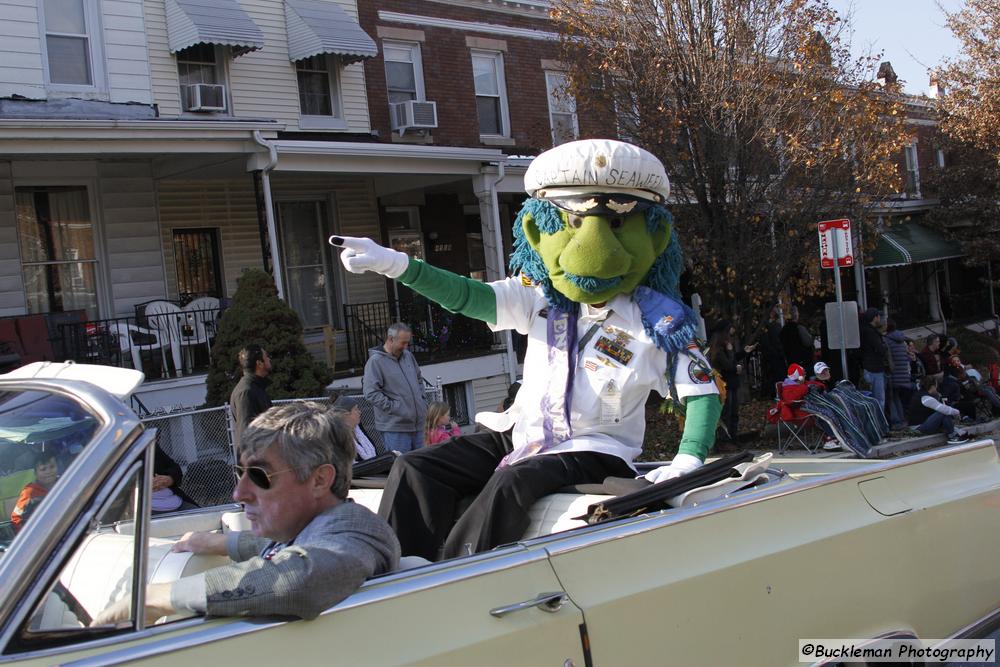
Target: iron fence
161, 346
437, 333
201, 442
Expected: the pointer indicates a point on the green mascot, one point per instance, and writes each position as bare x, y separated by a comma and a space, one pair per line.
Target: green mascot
595, 275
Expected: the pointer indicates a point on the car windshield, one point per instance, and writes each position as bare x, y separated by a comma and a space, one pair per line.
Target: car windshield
40, 435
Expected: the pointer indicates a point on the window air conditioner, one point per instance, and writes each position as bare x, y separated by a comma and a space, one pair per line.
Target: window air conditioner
413, 115
204, 97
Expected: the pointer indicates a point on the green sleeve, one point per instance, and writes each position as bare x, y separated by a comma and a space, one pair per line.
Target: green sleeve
456, 293
700, 419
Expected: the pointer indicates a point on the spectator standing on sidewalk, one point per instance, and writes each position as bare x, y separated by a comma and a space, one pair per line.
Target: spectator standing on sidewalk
873, 354
393, 385
900, 379
797, 342
249, 397
772, 354
728, 361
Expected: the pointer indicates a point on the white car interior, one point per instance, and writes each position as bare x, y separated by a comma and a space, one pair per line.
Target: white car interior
110, 550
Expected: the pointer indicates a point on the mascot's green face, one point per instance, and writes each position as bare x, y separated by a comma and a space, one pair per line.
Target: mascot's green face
595, 257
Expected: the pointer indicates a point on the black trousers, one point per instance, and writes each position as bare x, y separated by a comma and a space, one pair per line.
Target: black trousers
425, 486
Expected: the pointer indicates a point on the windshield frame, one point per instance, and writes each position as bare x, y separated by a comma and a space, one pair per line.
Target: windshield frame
53, 532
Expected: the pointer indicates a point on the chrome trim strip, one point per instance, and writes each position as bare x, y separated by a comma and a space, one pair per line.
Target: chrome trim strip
559, 543
979, 628
45, 536
141, 541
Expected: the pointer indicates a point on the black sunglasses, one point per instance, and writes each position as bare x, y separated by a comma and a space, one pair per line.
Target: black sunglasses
257, 475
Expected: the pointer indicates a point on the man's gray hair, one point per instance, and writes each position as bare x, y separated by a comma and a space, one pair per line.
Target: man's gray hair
397, 328
307, 435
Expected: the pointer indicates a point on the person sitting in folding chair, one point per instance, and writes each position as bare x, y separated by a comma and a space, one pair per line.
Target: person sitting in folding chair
792, 422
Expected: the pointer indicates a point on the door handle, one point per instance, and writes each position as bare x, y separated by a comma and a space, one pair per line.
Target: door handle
550, 602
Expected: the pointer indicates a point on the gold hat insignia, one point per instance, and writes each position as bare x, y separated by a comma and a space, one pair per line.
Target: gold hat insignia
617, 207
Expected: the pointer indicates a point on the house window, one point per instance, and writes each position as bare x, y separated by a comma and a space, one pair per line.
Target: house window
491, 93
562, 108
404, 78
940, 158
319, 86
69, 27
307, 264
202, 63
196, 261
912, 170
58, 260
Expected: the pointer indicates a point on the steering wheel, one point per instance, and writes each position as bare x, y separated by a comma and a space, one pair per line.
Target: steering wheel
72, 604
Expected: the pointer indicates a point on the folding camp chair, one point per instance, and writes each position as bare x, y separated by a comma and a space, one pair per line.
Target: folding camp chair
793, 424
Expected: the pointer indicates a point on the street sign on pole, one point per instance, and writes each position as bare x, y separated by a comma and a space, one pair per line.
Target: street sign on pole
835, 251
835, 245
847, 336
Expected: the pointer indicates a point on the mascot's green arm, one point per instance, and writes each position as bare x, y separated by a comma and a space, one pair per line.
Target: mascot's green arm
701, 416
456, 293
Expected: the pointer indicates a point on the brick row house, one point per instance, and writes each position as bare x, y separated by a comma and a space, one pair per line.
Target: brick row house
153, 150
916, 273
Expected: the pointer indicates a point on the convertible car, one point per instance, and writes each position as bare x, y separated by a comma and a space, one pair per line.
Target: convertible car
733, 575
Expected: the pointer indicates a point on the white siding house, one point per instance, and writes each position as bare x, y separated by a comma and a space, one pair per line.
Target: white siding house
264, 82
90, 50
142, 141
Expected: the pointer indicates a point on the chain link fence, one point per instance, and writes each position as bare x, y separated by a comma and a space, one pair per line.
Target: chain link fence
201, 442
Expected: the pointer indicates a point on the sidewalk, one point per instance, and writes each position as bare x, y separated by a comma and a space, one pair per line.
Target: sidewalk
896, 447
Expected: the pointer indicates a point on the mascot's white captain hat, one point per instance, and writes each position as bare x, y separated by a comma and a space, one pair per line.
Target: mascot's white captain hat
598, 176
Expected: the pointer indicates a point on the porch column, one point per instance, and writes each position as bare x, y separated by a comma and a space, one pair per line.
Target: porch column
883, 282
485, 187
933, 302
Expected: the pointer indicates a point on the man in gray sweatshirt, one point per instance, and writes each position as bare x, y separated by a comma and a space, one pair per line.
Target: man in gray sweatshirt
394, 386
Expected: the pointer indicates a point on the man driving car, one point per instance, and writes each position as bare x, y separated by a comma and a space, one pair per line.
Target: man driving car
309, 546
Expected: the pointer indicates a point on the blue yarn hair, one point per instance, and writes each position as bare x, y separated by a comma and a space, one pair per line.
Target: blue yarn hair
525, 260
663, 276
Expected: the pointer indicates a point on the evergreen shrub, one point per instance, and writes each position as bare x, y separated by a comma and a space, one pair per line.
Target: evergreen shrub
257, 315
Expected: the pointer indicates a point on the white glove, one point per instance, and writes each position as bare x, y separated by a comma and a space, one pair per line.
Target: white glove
362, 254
681, 465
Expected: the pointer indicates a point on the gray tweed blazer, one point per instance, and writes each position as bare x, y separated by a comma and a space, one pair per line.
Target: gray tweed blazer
326, 562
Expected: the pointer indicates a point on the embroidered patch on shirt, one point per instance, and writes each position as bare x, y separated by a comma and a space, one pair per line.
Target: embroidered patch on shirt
699, 372
614, 349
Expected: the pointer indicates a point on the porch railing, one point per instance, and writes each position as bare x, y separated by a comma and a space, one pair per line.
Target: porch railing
438, 335
172, 345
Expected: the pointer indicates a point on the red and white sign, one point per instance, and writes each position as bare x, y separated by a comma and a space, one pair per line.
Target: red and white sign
841, 231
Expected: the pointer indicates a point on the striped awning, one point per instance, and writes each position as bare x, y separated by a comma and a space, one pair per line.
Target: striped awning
221, 22
911, 243
322, 26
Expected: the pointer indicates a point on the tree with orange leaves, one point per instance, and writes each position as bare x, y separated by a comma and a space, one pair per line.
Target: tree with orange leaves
764, 121
971, 104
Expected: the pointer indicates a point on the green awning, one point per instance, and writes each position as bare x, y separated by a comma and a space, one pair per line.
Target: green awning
911, 243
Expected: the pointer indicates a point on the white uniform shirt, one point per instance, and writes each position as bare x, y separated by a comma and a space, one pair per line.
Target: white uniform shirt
618, 356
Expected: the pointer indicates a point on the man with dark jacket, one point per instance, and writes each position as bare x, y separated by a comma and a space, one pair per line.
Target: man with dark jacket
249, 397
393, 385
796, 341
873, 351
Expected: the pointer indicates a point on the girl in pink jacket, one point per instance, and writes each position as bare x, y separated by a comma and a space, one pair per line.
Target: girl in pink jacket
439, 427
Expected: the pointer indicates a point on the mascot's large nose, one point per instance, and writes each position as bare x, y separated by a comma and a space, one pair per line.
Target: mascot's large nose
594, 250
